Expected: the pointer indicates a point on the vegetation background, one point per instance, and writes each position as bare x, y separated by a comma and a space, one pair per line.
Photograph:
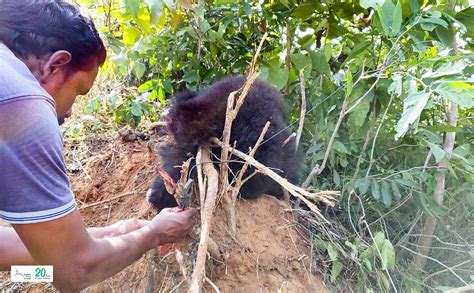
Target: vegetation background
388, 91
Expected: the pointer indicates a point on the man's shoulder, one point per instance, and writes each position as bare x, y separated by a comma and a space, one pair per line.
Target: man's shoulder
33, 181
29, 118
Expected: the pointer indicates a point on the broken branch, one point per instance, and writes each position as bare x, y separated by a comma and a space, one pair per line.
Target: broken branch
211, 195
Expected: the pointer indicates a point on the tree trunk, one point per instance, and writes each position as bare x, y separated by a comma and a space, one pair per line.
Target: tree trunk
424, 243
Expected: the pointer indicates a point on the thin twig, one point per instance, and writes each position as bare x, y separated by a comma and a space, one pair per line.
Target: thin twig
303, 110
333, 136
288, 52
371, 161
238, 182
212, 285
106, 200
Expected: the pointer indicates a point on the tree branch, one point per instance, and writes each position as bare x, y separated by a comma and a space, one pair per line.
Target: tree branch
211, 195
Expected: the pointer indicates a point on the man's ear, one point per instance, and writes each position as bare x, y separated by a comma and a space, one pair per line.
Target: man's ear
54, 64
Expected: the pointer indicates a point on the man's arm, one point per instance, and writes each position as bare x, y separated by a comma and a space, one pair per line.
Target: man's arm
79, 260
14, 252
119, 228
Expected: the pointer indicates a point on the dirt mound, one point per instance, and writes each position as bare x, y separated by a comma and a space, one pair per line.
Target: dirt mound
268, 253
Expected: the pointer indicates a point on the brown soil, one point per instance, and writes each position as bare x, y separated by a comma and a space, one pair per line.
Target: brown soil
268, 254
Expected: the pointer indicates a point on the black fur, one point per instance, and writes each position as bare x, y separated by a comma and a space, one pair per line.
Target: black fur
194, 118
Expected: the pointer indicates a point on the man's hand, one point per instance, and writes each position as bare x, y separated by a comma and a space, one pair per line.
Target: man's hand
172, 225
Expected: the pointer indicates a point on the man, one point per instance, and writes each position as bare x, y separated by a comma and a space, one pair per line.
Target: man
49, 54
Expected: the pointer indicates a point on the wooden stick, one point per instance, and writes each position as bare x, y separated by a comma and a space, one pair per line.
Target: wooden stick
303, 110
231, 114
202, 194
254, 61
211, 196
150, 278
287, 140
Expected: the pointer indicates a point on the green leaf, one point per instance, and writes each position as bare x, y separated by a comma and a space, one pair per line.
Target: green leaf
339, 147
379, 239
348, 83
336, 178
170, 4
397, 19
388, 254
276, 76
358, 115
358, 49
130, 35
396, 86
386, 13
375, 190
223, 2
431, 20
284, 2
371, 3
445, 35
327, 51
156, 10
386, 195
396, 190
449, 68
191, 76
366, 262
138, 69
247, 9
146, 86
319, 62
444, 128
406, 182
466, 17
332, 251
304, 10
364, 186
459, 92
437, 151
136, 109
336, 270
412, 108
132, 7
367, 254
301, 61
462, 150
470, 199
